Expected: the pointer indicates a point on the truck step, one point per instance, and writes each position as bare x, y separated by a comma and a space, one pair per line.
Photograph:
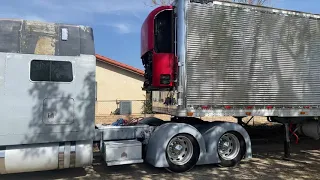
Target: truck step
124, 162
122, 152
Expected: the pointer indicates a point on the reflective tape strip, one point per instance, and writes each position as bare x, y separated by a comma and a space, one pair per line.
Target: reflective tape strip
73, 155
2, 162
61, 156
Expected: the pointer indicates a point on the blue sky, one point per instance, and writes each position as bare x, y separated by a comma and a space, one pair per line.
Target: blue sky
116, 23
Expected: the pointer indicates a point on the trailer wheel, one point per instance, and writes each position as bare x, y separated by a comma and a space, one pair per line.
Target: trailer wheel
182, 153
231, 149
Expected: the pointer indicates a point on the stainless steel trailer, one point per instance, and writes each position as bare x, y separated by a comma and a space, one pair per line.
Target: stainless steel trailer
239, 60
217, 58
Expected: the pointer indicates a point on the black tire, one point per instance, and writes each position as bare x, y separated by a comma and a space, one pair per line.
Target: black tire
152, 121
193, 160
235, 161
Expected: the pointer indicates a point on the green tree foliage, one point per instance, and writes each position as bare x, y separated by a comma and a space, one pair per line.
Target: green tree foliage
147, 104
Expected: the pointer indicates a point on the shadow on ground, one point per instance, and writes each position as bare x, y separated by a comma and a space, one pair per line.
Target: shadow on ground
267, 163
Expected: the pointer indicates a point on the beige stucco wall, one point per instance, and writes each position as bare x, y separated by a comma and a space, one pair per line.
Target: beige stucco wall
113, 84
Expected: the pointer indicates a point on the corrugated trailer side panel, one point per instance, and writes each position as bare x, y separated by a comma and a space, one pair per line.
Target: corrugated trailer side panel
245, 55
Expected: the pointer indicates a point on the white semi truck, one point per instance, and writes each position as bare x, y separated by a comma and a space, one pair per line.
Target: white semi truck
201, 58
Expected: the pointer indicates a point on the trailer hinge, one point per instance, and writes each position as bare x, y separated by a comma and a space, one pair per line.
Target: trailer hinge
180, 89
180, 64
179, 102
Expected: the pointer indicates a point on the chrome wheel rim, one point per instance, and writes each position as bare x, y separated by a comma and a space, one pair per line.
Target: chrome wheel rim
228, 146
179, 150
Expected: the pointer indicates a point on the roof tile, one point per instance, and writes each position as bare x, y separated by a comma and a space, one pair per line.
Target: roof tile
120, 65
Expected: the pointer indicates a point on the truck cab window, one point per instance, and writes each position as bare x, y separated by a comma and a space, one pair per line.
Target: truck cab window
55, 71
163, 32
